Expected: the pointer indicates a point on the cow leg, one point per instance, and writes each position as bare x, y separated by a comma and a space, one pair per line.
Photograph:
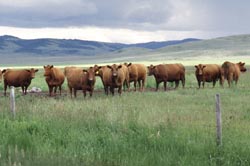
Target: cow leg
120, 90
177, 84
5, 88
183, 82
135, 84
112, 90
157, 86
91, 92
203, 84
23, 90
75, 90
55, 89
60, 89
214, 82
70, 90
199, 84
165, 85
84, 93
142, 85
50, 90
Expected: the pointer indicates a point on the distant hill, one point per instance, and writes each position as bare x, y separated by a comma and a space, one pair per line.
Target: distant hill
61, 47
16, 51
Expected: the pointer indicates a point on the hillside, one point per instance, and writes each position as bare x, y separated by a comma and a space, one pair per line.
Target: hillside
15, 51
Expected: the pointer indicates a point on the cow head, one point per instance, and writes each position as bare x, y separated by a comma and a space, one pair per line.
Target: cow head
90, 74
32, 72
242, 66
151, 69
114, 69
199, 69
47, 70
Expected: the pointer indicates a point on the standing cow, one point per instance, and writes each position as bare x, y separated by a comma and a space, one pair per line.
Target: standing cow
100, 70
167, 73
54, 78
88, 81
231, 71
74, 78
208, 73
137, 74
18, 78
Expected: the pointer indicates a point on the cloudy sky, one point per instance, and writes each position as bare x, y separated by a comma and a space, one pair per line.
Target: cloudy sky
126, 21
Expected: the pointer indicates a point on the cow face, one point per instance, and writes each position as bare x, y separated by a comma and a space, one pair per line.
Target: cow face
151, 69
199, 69
90, 74
32, 72
47, 70
242, 67
114, 69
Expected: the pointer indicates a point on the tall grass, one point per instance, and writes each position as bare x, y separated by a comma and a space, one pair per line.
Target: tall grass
176, 127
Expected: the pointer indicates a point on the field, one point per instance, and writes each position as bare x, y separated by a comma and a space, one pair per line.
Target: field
176, 127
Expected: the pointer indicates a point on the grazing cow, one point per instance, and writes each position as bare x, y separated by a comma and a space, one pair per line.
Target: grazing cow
74, 78
207, 73
54, 78
167, 73
18, 78
88, 80
231, 71
114, 78
137, 73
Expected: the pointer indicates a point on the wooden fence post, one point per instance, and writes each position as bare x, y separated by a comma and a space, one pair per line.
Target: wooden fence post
12, 101
218, 120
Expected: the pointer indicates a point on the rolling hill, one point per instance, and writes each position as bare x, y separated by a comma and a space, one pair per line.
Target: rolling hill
15, 51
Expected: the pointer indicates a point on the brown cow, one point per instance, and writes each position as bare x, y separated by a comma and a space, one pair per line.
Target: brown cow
126, 74
167, 73
74, 78
207, 73
137, 73
100, 70
54, 78
231, 71
18, 78
114, 78
88, 80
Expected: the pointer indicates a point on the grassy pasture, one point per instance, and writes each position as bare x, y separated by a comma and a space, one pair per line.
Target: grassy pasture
176, 127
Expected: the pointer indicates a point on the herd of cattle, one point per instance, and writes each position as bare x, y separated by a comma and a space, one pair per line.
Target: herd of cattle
118, 76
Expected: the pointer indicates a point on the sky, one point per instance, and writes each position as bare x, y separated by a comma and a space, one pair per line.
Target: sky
124, 21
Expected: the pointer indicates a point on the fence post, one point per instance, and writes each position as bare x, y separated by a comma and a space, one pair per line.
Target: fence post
218, 120
12, 101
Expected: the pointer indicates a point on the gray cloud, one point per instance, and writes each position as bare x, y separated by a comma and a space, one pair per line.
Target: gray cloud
182, 15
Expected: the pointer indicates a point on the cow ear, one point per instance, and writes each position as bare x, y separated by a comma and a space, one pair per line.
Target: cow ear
4, 70
120, 66
204, 66
243, 63
51, 66
85, 71
27, 70
196, 66
129, 64
109, 66
36, 70
44, 67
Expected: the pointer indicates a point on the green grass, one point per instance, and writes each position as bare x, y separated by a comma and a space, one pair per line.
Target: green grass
176, 127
